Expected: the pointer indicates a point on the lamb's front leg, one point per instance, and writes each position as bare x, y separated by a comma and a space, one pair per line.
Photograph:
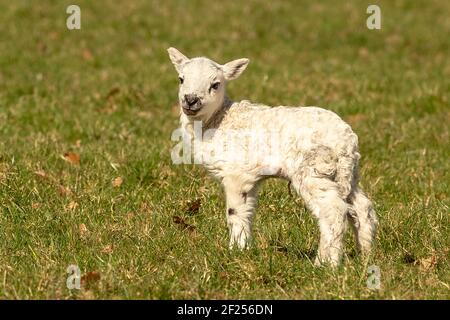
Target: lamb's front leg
241, 203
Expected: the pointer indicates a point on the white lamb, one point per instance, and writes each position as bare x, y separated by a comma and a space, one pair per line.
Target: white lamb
315, 150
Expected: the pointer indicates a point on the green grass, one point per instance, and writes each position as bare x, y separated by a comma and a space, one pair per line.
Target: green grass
107, 92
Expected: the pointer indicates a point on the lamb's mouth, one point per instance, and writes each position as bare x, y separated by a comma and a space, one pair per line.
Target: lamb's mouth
190, 112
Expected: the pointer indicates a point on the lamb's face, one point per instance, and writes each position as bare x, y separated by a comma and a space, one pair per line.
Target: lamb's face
202, 87
203, 83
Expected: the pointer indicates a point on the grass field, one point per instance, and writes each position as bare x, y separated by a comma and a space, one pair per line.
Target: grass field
139, 227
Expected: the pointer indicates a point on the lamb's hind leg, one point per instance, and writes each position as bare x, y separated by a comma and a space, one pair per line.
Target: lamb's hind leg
322, 197
241, 199
363, 219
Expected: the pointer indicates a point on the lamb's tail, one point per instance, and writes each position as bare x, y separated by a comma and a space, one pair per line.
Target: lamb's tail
347, 168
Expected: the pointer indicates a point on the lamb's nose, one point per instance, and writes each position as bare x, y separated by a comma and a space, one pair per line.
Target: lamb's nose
191, 99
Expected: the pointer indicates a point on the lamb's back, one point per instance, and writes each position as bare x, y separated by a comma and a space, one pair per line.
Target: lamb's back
309, 125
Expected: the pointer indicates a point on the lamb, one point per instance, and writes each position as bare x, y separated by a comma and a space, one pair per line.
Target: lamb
312, 148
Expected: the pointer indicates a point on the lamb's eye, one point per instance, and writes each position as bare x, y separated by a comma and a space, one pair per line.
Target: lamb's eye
181, 80
215, 85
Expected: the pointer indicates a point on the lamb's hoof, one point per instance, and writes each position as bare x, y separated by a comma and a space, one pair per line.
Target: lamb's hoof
239, 245
322, 263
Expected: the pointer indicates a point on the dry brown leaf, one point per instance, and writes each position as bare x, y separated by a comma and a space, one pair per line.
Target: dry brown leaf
63, 191
355, 118
107, 249
182, 223
193, 206
72, 205
87, 55
72, 157
90, 277
36, 205
83, 230
117, 182
112, 92
41, 174
426, 264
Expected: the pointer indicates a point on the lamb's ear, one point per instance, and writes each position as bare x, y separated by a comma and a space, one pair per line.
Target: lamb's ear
233, 69
177, 57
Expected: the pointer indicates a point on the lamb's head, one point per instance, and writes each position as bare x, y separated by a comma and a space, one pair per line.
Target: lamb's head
203, 83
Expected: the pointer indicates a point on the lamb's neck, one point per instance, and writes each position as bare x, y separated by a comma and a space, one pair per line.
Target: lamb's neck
212, 122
